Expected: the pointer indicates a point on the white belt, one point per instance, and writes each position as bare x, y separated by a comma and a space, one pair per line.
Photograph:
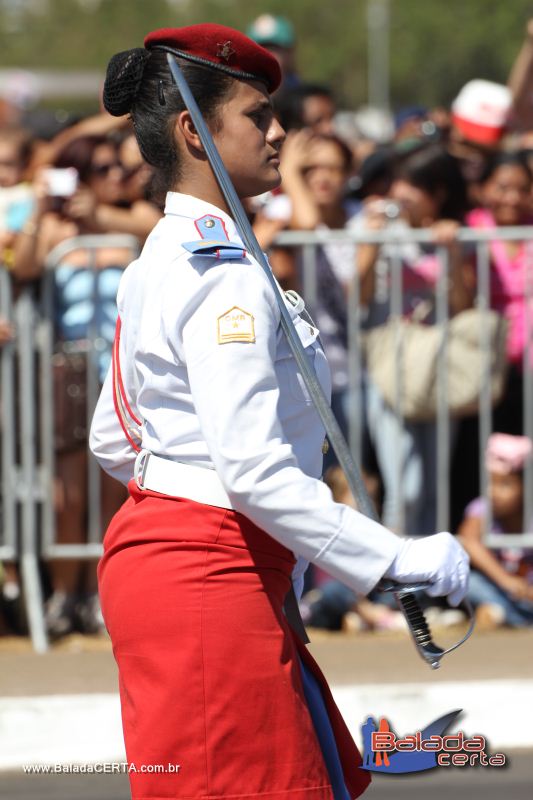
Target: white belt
179, 480
204, 486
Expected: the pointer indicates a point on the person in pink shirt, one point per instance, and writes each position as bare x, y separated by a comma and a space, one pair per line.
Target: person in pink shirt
428, 192
501, 584
506, 197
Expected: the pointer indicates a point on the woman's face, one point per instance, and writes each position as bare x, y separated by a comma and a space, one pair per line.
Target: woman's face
105, 178
325, 172
248, 138
418, 206
318, 112
507, 193
136, 172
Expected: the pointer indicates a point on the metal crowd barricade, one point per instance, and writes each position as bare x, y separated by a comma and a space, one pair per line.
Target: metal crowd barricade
309, 241
27, 518
8, 477
21, 488
27, 428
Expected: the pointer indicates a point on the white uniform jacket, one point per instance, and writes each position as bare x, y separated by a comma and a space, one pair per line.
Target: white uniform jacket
208, 370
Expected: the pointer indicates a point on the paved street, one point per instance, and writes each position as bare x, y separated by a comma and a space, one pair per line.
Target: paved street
85, 666
514, 782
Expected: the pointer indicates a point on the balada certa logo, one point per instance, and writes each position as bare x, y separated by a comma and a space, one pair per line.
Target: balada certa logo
388, 753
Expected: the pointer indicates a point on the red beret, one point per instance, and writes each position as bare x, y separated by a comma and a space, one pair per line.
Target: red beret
221, 48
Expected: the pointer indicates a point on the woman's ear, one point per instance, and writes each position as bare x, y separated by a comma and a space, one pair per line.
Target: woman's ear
185, 128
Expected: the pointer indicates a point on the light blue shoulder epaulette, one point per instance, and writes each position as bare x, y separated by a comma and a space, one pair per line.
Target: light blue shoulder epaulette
215, 242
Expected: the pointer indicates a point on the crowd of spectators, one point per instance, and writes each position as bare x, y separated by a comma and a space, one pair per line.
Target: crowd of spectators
356, 170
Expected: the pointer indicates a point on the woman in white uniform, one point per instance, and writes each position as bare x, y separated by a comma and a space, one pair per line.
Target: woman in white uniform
206, 417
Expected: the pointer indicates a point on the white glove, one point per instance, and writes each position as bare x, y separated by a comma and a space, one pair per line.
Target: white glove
439, 559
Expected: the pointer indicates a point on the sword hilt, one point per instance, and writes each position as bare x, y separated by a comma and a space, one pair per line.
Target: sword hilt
417, 623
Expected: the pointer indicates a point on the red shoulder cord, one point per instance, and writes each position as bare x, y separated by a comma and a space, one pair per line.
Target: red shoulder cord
122, 407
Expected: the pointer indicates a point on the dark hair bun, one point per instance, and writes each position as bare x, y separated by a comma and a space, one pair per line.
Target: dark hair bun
122, 80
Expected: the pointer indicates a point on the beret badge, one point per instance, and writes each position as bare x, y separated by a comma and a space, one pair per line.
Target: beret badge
225, 50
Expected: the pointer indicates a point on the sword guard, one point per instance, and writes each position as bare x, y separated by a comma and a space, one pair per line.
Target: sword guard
404, 594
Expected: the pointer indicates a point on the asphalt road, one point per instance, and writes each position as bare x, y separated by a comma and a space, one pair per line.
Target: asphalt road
514, 781
85, 666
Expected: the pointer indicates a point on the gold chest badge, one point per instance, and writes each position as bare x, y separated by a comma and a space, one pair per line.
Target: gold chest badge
235, 325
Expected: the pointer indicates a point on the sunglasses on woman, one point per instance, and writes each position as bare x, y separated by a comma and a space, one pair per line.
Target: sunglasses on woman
102, 170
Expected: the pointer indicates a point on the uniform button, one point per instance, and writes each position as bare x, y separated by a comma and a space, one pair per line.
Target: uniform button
325, 446
210, 223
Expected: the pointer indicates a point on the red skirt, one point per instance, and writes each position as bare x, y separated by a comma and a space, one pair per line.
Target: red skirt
210, 683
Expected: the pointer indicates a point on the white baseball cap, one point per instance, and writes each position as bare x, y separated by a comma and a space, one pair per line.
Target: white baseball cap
481, 110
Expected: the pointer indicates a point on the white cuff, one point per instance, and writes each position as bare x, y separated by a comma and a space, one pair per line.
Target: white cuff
360, 553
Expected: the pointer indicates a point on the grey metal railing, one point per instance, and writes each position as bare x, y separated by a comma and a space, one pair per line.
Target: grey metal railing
309, 241
28, 529
8, 500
